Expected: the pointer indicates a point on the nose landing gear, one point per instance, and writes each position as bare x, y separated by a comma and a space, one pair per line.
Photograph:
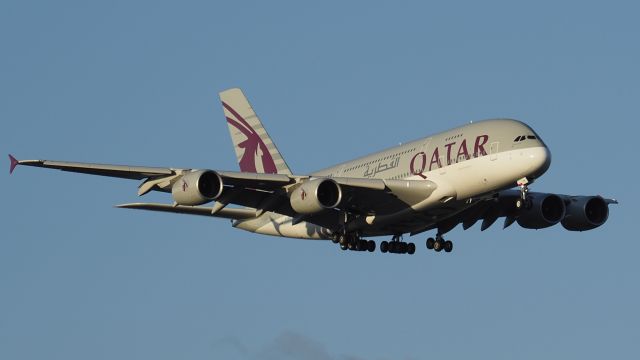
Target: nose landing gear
524, 202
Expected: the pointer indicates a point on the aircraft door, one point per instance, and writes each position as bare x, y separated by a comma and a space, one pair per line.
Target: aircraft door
493, 151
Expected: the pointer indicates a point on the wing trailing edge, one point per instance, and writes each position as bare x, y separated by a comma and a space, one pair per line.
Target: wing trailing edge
226, 213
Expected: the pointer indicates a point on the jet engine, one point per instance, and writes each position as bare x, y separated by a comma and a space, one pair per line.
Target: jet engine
315, 195
197, 188
585, 213
545, 210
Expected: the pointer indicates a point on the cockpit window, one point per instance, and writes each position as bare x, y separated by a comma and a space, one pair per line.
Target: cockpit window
523, 138
517, 139
531, 137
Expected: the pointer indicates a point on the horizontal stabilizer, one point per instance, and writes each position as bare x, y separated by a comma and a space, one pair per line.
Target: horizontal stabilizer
226, 213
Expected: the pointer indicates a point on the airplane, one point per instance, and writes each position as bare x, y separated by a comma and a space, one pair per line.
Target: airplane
479, 171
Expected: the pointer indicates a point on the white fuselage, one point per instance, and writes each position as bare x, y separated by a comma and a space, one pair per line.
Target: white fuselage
475, 161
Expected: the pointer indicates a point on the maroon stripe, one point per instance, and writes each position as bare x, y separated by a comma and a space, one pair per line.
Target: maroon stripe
240, 118
239, 127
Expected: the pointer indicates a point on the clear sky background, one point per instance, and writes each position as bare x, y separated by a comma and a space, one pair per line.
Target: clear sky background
136, 83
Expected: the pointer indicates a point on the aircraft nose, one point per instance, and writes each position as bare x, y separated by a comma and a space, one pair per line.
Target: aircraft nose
539, 160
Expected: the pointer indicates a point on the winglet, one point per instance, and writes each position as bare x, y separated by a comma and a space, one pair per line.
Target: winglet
14, 163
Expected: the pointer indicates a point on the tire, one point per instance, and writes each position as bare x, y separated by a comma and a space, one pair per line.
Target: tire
448, 246
437, 246
430, 243
411, 248
343, 247
364, 245
371, 246
384, 247
342, 239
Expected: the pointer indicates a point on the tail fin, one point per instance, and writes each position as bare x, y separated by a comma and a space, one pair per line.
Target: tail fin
255, 150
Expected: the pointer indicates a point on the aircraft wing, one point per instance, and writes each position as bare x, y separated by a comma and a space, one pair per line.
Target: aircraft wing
267, 192
157, 178
120, 171
537, 215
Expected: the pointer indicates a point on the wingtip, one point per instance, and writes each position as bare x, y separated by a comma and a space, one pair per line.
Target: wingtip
14, 163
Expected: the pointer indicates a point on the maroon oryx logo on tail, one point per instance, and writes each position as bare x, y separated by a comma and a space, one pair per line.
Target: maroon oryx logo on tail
251, 145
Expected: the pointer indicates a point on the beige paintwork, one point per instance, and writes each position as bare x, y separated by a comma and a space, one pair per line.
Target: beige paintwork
417, 186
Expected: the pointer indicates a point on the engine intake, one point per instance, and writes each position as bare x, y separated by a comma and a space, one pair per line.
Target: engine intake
545, 210
585, 213
197, 188
315, 195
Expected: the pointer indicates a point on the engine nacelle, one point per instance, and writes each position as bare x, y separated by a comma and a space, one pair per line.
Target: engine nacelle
315, 195
545, 210
197, 188
585, 213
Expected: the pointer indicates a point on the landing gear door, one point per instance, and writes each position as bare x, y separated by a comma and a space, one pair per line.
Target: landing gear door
493, 151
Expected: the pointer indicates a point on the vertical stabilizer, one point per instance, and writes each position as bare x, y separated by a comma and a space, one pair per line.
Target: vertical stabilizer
255, 150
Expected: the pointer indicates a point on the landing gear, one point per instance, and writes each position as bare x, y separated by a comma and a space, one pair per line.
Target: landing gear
439, 243
353, 242
523, 202
335, 238
448, 246
397, 246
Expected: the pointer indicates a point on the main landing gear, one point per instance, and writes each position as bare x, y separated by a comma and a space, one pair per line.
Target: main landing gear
353, 242
397, 246
439, 243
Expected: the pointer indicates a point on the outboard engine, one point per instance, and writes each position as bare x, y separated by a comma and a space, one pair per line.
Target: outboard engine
545, 210
585, 213
197, 188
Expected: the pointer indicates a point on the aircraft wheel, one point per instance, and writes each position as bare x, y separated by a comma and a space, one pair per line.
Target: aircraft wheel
343, 246
384, 246
404, 247
363, 245
448, 246
430, 243
342, 239
351, 245
371, 246
411, 248
437, 246
335, 238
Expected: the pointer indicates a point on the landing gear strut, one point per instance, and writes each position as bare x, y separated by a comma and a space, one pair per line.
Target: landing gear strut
523, 201
397, 246
439, 243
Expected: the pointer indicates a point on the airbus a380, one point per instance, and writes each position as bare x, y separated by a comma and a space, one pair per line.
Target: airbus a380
477, 172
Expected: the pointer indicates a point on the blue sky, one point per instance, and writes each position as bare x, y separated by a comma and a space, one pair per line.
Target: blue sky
137, 82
